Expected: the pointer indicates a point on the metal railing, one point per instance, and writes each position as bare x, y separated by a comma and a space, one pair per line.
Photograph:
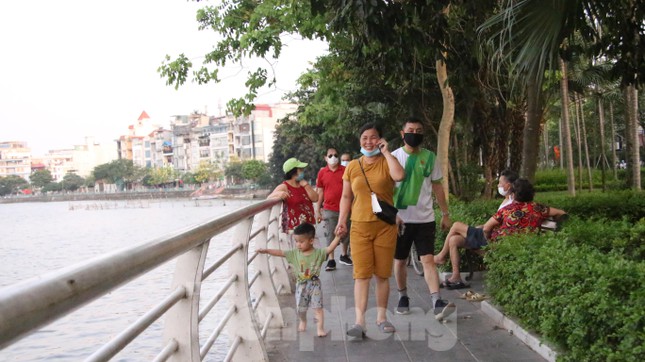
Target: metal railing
27, 306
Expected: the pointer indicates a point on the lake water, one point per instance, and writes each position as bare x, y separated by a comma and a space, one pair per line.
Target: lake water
36, 238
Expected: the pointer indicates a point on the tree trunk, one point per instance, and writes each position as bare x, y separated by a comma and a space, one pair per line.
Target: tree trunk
603, 157
585, 143
545, 136
531, 137
515, 144
561, 145
447, 120
564, 92
633, 163
455, 180
578, 140
614, 157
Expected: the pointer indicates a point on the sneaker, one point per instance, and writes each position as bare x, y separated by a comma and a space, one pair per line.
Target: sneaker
345, 259
443, 309
404, 306
331, 265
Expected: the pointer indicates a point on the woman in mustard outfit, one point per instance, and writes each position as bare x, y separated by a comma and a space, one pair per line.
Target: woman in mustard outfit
372, 240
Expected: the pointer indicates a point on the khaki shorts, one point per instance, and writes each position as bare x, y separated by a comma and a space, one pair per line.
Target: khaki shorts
373, 244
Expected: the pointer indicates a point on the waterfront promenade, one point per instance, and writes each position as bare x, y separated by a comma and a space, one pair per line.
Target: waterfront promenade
467, 335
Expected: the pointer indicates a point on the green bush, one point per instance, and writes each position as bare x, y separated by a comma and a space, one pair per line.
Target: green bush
587, 302
611, 205
556, 179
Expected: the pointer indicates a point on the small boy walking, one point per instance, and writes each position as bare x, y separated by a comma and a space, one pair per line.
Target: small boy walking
306, 262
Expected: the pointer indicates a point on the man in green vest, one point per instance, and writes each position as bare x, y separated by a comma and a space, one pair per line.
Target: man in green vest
413, 198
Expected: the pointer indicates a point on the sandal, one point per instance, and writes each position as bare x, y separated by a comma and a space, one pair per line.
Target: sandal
386, 327
356, 331
476, 297
455, 285
467, 295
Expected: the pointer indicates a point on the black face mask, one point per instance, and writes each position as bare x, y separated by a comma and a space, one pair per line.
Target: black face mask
413, 139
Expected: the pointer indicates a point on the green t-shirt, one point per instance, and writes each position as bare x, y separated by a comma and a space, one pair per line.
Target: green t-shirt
306, 266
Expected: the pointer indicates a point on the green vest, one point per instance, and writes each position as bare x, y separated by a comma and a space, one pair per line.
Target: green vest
418, 166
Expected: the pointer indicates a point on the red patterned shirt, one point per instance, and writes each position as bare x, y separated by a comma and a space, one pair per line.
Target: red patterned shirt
519, 217
298, 208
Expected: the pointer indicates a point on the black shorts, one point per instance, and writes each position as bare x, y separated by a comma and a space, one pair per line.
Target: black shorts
421, 234
475, 238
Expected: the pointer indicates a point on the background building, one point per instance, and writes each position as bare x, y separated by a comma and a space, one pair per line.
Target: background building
15, 159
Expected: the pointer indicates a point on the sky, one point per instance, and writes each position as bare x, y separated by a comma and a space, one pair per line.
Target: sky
71, 69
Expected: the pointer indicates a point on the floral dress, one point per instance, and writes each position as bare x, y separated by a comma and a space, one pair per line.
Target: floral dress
519, 217
297, 208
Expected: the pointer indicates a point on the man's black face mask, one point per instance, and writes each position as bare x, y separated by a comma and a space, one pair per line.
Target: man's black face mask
413, 139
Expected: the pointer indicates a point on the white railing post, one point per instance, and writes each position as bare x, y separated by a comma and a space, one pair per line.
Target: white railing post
268, 301
182, 323
243, 326
281, 278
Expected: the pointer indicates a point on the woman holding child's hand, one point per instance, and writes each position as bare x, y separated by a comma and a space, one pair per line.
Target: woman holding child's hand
372, 240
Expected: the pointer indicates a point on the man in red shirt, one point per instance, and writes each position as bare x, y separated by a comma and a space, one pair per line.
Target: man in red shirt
330, 188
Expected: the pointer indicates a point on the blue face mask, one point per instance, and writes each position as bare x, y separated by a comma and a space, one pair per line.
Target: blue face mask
301, 176
374, 152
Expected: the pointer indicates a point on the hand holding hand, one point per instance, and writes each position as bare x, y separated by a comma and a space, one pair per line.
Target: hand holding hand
341, 230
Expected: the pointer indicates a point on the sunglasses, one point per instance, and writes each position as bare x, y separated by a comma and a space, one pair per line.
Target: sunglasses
332, 155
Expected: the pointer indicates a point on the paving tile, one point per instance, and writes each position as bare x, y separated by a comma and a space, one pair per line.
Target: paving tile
467, 335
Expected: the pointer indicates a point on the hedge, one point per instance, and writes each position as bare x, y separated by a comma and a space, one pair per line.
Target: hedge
587, 302
582, 288
556, 179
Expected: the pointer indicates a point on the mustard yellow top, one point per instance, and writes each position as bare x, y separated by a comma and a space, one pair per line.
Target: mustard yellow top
378, 175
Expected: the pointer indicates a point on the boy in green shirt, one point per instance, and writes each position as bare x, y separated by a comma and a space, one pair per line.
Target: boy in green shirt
306, 261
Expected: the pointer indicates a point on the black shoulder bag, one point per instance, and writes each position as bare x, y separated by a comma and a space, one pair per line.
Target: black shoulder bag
387, 212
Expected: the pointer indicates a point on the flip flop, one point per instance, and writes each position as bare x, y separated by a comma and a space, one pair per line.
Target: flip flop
386, 327
356, 331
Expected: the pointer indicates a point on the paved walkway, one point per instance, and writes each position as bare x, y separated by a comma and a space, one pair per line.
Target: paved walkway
467, 335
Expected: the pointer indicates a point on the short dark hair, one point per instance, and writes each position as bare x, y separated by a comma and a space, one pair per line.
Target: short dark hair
305, 229
523, 191
367, 126
510, 175
289, 175
411, 119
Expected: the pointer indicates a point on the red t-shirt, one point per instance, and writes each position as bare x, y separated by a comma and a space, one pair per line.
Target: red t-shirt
332, 184
298, 208
519, 217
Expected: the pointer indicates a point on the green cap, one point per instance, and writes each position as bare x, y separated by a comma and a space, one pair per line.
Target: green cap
292, 163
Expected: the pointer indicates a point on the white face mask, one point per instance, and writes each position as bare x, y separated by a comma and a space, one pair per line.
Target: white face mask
344, 163
332, 161
501, 191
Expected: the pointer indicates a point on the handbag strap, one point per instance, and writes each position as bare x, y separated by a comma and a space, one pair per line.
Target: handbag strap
364, 175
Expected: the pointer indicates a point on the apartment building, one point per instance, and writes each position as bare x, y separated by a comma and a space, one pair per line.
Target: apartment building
15, 159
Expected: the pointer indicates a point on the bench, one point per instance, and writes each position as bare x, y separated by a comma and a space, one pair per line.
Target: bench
474, 257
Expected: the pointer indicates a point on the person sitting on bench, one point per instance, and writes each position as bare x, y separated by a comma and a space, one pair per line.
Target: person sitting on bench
522, 215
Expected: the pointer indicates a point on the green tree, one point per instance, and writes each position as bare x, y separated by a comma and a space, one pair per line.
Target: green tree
119, 172
252, 170
72, 182
205, 172
40, 178
533, 35
53, 186
161, 175
233, 172
12, 184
